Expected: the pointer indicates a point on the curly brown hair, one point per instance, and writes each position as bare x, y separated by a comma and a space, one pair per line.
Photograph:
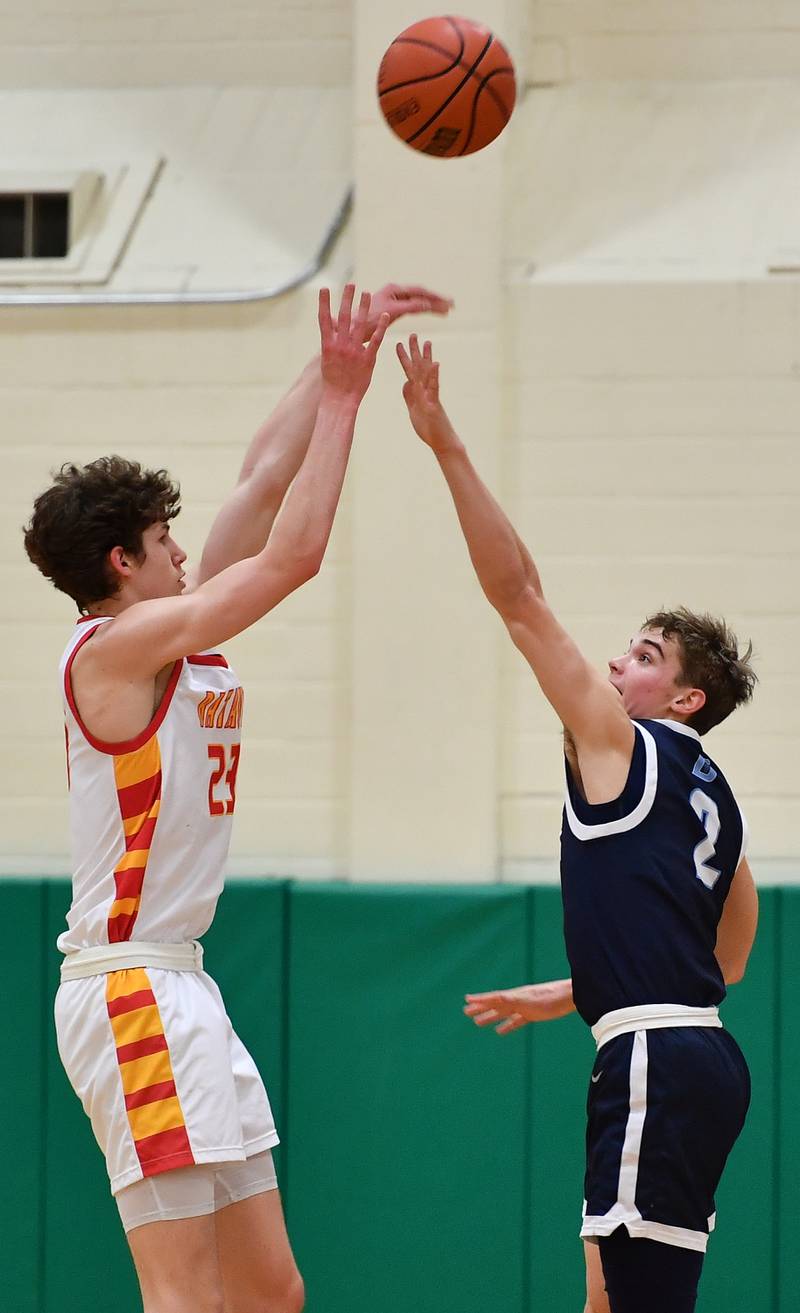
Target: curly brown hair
710, 660
88, 510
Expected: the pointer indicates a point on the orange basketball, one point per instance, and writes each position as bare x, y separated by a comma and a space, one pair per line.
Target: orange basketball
446, 86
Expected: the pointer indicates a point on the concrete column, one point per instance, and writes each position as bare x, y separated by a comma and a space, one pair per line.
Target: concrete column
424, 641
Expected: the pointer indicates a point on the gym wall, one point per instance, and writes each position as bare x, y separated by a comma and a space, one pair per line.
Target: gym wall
621, 363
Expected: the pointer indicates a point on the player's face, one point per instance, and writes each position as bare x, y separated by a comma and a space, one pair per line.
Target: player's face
159, 573
648, 675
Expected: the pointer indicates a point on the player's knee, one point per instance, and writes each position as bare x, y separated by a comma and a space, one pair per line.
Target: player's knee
297, 1295
290, 1297
208, 1300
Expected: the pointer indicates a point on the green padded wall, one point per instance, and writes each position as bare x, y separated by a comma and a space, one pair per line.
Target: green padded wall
22, 1101
563, 1055
787, 1138
86, 1254
425, 1163
739, 1271
244, 952
406, 1123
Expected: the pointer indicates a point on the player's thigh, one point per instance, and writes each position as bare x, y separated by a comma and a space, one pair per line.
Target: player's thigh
596, 1297
255, 1258
176, 1263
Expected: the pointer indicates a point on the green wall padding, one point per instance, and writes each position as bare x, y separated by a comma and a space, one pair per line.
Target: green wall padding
562, 1059
425, 1163
787, 1137
244, 952
739, 1264
86, 1255
406, 1123
22, 1093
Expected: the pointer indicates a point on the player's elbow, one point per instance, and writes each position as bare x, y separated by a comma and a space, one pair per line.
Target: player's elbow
733, 967
521, 607
303, 566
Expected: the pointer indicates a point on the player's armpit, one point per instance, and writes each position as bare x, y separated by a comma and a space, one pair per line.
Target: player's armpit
585, 703
737, 927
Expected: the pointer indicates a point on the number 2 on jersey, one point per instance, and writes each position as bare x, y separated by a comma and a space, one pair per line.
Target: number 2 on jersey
707, 813
218, 755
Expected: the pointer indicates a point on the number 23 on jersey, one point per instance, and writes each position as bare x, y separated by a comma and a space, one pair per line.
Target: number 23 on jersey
222, 782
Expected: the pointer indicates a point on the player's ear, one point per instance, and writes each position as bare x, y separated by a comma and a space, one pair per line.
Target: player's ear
118, 561
689, 701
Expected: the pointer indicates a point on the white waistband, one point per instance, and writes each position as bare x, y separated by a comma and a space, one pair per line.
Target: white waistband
651, 1016
103, 958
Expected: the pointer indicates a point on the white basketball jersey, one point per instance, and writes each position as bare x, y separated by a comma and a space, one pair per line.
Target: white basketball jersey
150, 819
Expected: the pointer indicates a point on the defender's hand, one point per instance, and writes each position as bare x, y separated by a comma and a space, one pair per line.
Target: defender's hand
397, 299
421, 395
348, 350
514, 1008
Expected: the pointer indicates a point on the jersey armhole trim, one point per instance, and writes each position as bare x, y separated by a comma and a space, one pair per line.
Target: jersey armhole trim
602, 829
207, 659
128, 745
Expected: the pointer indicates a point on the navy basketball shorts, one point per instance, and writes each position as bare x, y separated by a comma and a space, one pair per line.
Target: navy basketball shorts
665, 1107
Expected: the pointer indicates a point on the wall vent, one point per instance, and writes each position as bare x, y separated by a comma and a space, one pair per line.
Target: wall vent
43, 221
69, 225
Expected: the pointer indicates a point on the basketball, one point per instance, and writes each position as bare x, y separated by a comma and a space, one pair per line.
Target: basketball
446, 86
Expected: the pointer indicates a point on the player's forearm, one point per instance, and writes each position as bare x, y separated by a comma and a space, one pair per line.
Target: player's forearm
502, 562
273, 458
236, 597
279, 445
305, 523
557, 998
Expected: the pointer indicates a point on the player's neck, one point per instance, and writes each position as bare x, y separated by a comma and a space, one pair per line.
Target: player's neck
110, 606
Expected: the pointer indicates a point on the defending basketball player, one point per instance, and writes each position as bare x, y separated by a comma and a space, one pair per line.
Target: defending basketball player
660, 907
153, 717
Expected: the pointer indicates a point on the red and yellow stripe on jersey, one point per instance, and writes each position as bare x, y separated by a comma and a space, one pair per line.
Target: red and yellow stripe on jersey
154, 1110
138, 780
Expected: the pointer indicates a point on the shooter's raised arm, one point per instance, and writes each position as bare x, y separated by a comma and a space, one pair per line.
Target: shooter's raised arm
588, 706
148, 635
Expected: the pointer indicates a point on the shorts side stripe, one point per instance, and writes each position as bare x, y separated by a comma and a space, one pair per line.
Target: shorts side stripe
632, 1144
153, 1108
624, 1212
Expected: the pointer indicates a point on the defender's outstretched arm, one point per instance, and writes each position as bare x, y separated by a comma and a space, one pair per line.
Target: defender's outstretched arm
279, 445
587, 705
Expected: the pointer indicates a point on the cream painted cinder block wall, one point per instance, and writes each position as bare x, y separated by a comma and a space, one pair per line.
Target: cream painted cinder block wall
651, 39
161, 43
652, 462
184, 389
641, 435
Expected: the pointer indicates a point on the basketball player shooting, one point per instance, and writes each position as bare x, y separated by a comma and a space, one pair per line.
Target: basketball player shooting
660, 907
153, 717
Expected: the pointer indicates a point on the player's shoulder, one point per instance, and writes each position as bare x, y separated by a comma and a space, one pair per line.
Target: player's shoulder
666, 731
684, 745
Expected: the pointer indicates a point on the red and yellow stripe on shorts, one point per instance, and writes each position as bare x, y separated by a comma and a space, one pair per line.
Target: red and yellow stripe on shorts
154, 1110
138, 779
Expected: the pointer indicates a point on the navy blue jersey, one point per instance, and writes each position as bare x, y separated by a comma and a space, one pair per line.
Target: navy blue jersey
644, 878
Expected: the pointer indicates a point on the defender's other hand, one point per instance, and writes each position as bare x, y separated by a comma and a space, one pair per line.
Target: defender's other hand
397, 299
421, 395
511, 1008
348, 351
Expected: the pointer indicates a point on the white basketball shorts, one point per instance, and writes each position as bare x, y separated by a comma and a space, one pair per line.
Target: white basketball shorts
160, 1072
